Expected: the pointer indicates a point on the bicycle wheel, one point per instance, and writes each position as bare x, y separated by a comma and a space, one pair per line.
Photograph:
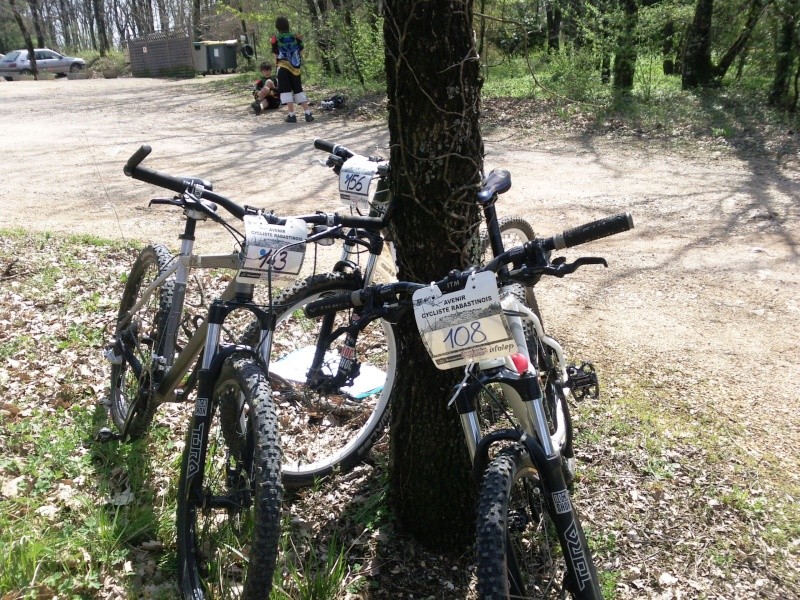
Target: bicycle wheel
137, 339
228, 538
326, 430
518, 550
514, 231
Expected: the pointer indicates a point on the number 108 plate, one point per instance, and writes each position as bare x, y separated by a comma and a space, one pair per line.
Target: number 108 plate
465, 326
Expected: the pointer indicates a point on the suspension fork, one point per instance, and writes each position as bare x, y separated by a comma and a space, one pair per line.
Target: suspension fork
214, 356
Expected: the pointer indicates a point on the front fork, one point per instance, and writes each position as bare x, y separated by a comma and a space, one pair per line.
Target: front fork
214, 356
546, 458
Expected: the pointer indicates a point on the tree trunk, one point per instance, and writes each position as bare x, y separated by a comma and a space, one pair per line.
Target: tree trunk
433, 90
697, 68
668, 48
196, 25
785, 53
66, 22
625, 57
753, 15
553, 12
25, 35
36, 17
102, 30
318, 12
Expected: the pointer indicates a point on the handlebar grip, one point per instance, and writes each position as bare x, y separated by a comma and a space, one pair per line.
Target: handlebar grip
369, 223
332, 148
331, 304
591, 231
160, 179
136, 158
324, 145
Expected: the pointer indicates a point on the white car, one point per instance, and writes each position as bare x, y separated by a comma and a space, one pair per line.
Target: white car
47, 61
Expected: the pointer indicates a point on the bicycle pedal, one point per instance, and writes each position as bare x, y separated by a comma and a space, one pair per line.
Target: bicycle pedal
583, 381
106, 435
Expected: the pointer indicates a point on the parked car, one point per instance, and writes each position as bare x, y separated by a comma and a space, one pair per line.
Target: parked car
47, 61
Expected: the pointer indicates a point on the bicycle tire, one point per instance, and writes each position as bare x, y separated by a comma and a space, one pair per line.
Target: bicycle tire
322, 433
514, 523
131, 400
228, 539
514, 231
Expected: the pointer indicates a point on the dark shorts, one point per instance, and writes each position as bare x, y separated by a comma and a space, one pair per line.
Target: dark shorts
273, 101
288, 82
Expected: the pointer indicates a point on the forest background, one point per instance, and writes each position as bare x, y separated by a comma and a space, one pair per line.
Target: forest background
604, 53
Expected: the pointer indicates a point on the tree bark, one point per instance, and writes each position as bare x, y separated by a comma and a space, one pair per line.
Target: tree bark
698, 70
697, 67
102, 29
36, 17
553, 13
433, 89
785, 54
25, 35
625, 57
668, 48
753, 15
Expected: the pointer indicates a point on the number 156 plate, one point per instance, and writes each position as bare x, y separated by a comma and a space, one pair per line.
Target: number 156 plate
463, 327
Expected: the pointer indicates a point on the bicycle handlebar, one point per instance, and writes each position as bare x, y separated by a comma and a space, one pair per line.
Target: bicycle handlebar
181, 185
456, 279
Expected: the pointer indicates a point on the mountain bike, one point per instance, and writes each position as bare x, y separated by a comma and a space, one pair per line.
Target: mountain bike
530, 542
230, 489
332, 400
150, 365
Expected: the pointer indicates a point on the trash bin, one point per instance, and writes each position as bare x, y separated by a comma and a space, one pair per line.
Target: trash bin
200, 57
214, 56
222, 56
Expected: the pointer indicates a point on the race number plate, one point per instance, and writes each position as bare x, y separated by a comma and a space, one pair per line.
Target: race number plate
463, 327
356, 185
270, 246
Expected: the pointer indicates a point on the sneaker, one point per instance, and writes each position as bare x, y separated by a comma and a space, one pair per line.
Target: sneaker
256, 106
309, 117
291, 118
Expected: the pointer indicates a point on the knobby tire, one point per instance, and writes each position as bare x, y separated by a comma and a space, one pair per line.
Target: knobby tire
228, 539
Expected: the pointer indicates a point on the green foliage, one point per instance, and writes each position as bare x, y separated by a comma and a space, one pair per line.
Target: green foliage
520, 31
113, 62
573, 76
316, 578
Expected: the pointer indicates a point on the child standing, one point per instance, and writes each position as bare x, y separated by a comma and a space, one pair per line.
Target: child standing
286, 46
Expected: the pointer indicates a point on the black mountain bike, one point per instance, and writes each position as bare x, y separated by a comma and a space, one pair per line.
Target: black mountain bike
530, 543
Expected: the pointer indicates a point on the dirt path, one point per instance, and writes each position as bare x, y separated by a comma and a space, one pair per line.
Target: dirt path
707, 286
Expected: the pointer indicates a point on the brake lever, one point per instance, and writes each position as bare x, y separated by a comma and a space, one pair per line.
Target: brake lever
560, 268
176, 201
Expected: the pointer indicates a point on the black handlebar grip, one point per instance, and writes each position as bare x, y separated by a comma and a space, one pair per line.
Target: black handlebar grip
369, 223
136, 158
592, 231
332, 148
324, 145
323, 306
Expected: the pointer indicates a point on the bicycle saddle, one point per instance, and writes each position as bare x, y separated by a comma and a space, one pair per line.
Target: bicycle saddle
497, 182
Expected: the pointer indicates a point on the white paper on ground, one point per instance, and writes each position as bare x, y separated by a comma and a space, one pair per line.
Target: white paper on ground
294, 367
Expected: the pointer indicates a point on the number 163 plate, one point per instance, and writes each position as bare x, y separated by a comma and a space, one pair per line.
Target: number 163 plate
465, 326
